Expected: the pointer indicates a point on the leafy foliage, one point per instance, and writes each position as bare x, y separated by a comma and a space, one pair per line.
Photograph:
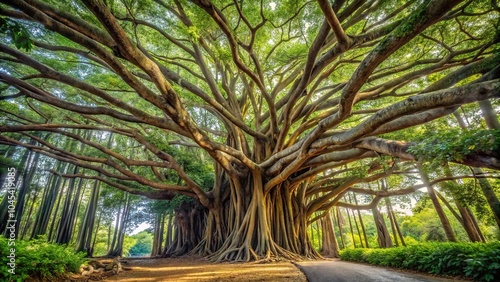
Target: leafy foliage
143, 244
6, 163
456, 145
474, 260
424, 224
38, 259
17, 33
193, 162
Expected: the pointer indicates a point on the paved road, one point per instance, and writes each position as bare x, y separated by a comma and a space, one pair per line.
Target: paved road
340, 271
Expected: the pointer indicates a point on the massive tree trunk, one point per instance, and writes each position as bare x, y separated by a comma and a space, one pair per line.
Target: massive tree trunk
248, 224
190, 221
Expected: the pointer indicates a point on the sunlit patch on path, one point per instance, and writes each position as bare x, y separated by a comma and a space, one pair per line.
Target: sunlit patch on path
197, 269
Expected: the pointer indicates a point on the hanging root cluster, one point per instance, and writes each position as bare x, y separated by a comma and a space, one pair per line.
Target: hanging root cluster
246, 226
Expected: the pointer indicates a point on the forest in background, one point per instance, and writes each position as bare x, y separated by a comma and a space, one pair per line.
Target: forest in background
244, 131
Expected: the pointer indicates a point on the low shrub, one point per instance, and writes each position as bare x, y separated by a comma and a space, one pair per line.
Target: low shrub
480, 261
37, 259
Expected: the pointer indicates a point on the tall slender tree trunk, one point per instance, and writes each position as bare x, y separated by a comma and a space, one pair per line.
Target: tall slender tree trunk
121, 235
340, 225
116, 248
362, 224
311, 230
318, 234
65, 229
7, 155
159, 224
92, 248
49, 198
356, 223
491, 119
57, 217
86, 229
391, 220
383, 236
87, 226
350, 228
483, 239
490, 195
24, 189
489, 115
329, 241
401, 237
4, 205
467, 218
27, 221
169, 237
388, 205
358, 230
118, 220
450, 235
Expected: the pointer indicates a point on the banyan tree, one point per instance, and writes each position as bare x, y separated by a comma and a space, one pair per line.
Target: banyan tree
290, 103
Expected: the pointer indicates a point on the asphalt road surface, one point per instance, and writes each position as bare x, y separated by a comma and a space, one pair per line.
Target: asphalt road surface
340, 271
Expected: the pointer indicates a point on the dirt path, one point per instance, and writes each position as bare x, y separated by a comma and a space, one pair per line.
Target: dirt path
198, 269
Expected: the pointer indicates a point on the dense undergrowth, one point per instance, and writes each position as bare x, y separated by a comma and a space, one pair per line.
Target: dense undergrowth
479, 261
36, 259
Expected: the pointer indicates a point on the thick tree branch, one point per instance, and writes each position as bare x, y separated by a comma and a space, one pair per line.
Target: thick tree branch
334, 23
399, 149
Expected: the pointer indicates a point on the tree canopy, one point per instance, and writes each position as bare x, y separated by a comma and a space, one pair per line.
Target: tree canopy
263, 112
